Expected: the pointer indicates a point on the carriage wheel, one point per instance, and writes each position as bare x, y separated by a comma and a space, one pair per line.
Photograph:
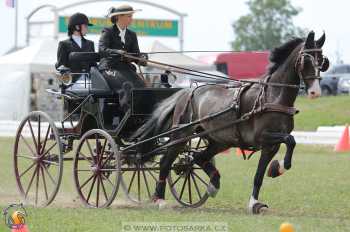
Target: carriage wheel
188, 183
38, 159
138, 180
96, 169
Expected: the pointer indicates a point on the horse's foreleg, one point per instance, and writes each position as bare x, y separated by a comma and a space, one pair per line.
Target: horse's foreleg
277, 168
267, 154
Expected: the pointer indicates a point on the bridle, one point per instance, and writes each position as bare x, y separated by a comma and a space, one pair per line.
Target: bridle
318, 66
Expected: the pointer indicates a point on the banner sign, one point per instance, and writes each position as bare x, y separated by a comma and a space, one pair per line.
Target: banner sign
142, 27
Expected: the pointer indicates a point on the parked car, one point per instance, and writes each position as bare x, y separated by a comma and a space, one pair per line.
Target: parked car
330, 79
344, 84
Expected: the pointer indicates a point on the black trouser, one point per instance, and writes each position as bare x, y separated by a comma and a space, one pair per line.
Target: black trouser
121, 81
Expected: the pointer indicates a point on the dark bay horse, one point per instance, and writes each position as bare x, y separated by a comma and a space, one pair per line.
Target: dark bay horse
268, 108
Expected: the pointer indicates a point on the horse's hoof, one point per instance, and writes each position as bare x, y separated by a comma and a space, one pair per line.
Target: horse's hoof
274, 169
160, 203
259, 208
211, 190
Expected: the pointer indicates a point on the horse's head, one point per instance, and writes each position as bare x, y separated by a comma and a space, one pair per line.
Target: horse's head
310, 63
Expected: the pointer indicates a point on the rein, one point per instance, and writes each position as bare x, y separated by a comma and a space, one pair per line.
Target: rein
193, 72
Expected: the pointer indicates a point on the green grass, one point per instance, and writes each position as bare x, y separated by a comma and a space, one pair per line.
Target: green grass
314, 196
323, 111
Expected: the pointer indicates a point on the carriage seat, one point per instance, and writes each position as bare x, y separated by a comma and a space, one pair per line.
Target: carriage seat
94, 83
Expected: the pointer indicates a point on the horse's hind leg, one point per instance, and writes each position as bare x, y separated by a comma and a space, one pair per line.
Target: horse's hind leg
165, 166
203, 159
267, 153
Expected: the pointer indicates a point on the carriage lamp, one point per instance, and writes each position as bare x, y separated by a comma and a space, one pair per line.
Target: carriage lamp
65, 78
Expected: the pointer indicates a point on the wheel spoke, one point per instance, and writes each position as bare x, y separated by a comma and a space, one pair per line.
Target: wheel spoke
183, 187
31, 181
172, 185
150, 172
87, 181
27, 169
200, 179
45, 140
108, 158
44, 182
146, 182
189, 187
138, 183
98, 191
108, 169
33, 137
26, 157
49, 174
108, 180
91, 188
38, 148
50, 162
85, 157
48, 150
37, 185
198, 143
102, 151
103, 188
30, 148
91, 152
196, 186
132, 180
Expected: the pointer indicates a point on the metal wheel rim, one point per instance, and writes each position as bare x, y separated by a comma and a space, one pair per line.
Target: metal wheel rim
42, 165
100, 177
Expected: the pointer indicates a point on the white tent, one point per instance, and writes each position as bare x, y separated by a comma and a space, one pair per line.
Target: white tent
15, 77
177, 59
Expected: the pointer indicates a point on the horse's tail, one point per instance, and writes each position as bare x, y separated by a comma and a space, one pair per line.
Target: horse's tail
159, 117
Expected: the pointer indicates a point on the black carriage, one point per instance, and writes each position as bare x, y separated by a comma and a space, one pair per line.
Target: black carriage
104, 158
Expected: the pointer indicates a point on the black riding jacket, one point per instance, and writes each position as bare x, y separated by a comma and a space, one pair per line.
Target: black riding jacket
67, 46
109, 41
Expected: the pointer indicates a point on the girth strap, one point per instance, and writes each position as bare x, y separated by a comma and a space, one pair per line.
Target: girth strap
272, 107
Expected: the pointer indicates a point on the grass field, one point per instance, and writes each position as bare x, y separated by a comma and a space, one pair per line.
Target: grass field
325, 111
314, 196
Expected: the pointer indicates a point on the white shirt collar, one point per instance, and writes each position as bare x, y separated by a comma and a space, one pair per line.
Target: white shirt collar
121, 33
77, 39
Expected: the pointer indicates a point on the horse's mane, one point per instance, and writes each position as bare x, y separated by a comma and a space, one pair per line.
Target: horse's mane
279, 54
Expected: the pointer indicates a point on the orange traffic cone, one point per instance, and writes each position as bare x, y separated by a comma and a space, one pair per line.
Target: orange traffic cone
343, 143
239, 152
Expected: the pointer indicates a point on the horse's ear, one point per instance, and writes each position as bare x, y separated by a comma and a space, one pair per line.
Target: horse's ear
325, 65
320, 41
309, 43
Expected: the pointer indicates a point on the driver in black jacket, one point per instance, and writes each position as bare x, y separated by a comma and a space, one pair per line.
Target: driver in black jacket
119, 72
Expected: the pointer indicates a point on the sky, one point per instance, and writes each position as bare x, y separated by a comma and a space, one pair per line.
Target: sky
208, 25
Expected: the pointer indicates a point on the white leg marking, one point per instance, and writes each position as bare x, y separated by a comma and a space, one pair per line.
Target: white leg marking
252, 202
282, 168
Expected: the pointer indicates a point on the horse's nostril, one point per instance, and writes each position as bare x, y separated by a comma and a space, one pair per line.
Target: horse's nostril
312, 93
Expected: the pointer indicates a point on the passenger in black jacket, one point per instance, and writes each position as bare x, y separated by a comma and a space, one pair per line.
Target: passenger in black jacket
77, 29
119, 72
